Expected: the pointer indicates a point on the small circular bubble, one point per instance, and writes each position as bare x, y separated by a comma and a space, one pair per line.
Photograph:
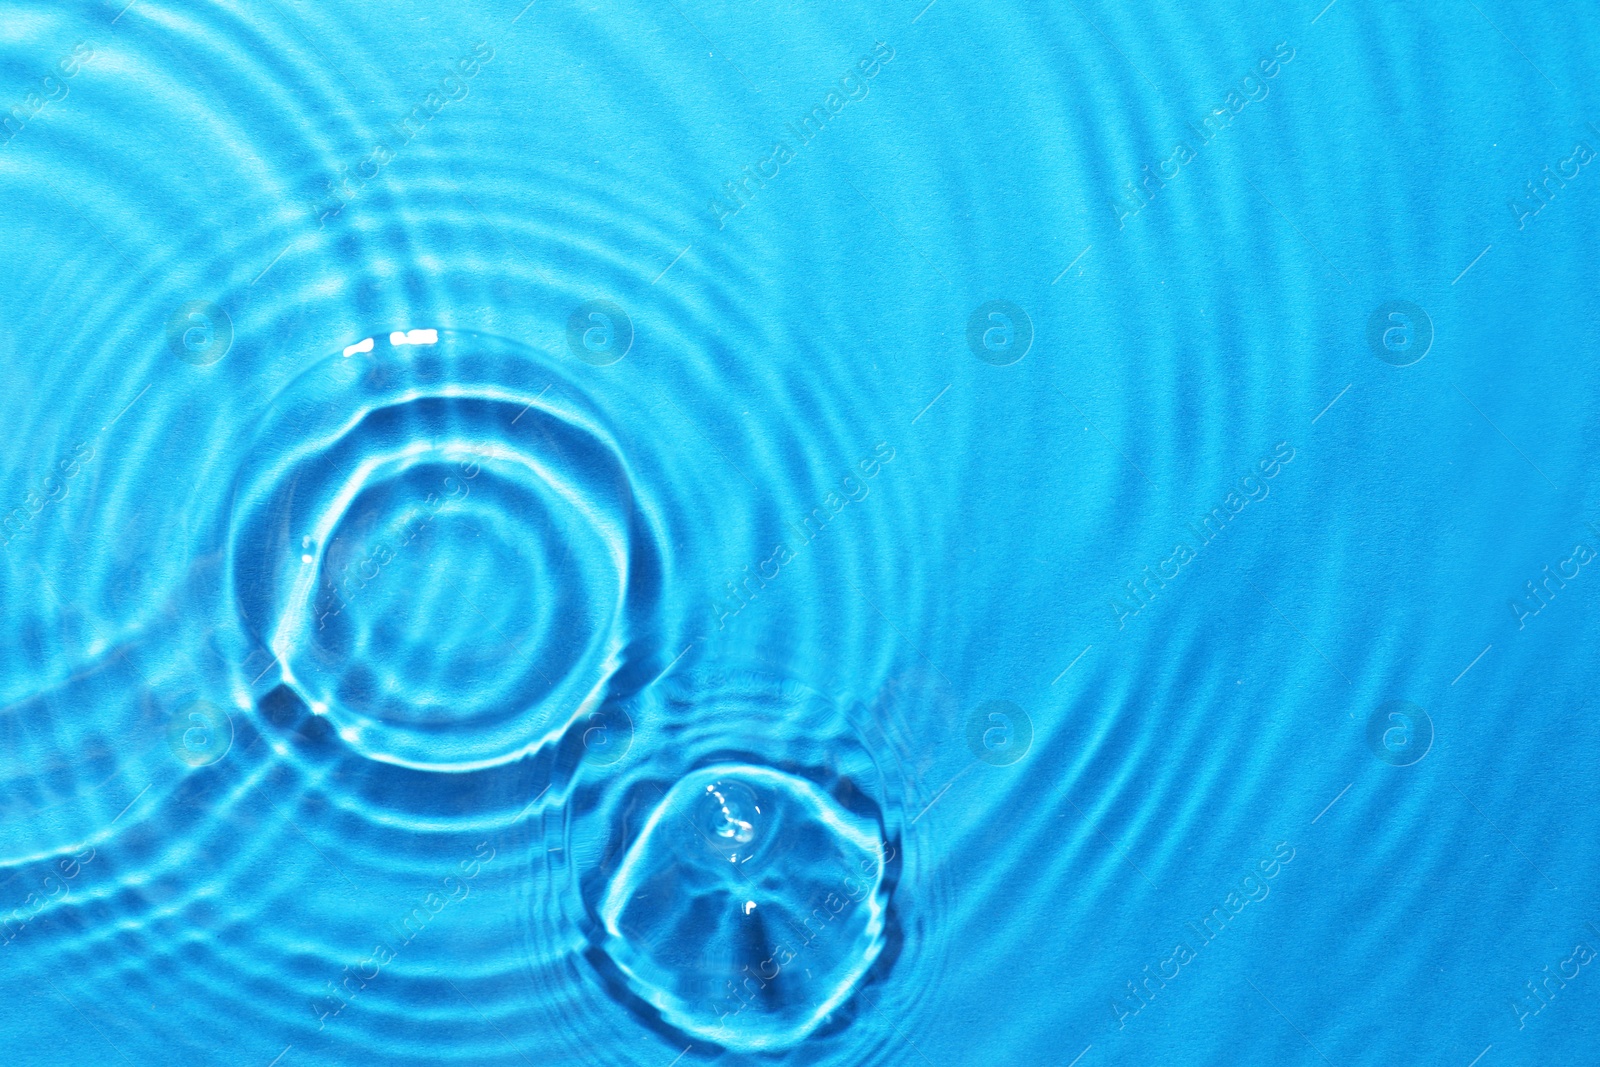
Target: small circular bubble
792, 894
599, 333
1399, 733
728, 816
607, 735
999, 333
999, 733
199, 333
1399, 333
199, 734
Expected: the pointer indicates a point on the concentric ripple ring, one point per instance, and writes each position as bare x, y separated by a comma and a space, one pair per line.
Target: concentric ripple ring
448, 484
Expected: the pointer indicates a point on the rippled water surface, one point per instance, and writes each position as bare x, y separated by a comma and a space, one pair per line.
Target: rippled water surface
789, 532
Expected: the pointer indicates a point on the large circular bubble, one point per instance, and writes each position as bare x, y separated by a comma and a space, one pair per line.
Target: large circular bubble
439, 544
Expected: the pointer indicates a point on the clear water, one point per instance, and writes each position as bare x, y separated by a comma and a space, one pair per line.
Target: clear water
931, 533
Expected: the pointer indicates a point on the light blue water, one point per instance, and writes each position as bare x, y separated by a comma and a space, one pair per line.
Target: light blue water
922, 533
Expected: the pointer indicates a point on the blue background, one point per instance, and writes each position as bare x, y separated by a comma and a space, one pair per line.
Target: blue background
169, 907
